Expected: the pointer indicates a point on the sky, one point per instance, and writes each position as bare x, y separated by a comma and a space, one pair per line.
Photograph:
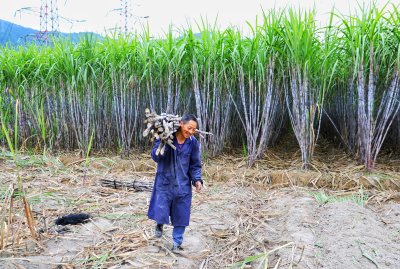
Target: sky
101, 16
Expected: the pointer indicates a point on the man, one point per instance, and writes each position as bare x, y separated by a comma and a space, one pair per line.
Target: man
177, 171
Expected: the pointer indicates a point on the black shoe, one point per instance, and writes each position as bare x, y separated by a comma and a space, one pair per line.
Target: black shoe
177, 248
159, 231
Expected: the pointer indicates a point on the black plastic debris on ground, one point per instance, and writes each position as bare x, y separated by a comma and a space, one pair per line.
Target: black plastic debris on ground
72, 219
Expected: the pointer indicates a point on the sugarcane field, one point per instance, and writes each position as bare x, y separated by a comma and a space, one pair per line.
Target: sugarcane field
289, 139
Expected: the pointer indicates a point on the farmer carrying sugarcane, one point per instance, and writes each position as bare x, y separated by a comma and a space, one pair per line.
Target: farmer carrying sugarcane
177, 171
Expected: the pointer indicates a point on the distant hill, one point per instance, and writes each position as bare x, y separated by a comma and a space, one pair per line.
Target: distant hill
14, 34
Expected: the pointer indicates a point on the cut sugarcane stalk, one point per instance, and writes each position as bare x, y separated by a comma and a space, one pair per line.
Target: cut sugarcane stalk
163, 127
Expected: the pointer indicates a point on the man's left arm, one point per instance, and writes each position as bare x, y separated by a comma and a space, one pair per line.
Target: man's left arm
195, 166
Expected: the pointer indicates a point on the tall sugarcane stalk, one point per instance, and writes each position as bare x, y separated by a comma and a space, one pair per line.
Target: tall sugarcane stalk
341, 114
210, 85
68, 90
308, 74
219, 119
258, 109
125, 110
374, 52
395, 133
374, 123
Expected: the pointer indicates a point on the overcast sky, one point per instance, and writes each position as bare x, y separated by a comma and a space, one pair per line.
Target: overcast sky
102, 15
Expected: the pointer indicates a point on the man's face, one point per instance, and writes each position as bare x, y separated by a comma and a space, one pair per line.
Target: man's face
188, 129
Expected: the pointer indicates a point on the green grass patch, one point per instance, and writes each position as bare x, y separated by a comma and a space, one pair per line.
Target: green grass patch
29, 160
38, 198
359, 198
261, 258
98, 261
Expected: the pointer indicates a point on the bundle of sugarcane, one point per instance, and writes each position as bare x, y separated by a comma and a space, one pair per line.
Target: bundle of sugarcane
134, 185
163, 127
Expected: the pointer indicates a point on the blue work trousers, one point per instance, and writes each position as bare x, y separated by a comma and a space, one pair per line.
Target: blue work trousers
177, 235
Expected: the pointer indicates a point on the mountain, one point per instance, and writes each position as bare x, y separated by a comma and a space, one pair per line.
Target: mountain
14, 34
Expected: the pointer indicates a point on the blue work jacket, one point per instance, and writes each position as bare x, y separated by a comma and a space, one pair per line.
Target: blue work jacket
177, 171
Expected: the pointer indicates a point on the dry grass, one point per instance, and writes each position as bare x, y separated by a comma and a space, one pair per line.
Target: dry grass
281, 167
120, 233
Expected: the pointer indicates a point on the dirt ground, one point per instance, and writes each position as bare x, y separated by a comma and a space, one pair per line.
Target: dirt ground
274, 215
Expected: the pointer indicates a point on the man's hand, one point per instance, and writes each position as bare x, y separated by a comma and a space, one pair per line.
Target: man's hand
198, 186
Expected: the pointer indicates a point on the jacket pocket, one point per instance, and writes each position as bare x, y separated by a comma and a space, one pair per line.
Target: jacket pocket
163, 180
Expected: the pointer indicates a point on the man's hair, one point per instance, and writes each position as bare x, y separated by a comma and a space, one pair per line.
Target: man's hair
188, 117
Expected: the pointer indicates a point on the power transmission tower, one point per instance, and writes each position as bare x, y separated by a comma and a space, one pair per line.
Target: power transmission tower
129, 19
126, 12
49, 19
